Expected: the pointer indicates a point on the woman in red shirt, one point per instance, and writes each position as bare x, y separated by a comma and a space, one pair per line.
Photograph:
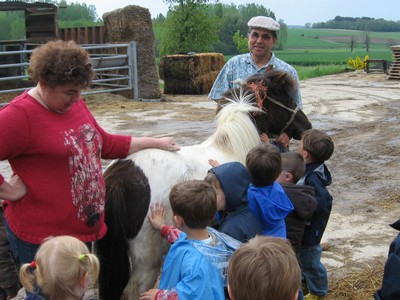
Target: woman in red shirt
54, 146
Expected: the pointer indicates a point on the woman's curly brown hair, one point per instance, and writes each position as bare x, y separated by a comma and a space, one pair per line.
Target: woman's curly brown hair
61, 62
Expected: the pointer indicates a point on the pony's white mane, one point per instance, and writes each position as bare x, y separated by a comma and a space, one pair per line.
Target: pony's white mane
236, 133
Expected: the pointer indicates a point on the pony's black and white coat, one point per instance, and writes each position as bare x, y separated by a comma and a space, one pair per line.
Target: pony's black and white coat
131, 252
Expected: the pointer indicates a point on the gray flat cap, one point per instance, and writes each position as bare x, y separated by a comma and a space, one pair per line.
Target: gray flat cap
264, 23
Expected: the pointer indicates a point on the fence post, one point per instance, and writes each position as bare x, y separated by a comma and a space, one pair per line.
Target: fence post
133, 70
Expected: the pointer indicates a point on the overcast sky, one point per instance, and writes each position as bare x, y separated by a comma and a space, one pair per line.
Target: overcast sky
293, 12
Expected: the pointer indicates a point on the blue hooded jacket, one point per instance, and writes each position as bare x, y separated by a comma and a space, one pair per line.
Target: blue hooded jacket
318, 176
190, 273
236, 221
270, 205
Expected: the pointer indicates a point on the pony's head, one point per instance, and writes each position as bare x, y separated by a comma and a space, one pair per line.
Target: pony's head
236, 132
274, 93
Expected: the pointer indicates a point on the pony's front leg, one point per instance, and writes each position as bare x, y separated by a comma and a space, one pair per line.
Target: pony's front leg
147, 250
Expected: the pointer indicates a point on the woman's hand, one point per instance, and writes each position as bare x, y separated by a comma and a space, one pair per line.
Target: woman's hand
164, 143
168, 143
14, 189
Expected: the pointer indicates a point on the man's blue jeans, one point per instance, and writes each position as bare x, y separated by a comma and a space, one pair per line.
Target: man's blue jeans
313, 271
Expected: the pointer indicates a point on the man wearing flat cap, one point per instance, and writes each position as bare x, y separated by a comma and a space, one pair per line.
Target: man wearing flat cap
261, 39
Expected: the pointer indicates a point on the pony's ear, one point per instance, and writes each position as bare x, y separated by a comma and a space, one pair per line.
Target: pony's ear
279, 80
269, 68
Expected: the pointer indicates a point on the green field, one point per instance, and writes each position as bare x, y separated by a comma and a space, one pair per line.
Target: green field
327, 46
318, 52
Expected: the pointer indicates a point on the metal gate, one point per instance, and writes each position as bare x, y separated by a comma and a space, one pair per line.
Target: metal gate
115, 67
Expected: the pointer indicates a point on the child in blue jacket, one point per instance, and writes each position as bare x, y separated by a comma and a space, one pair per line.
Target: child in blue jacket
197, 262
267, 200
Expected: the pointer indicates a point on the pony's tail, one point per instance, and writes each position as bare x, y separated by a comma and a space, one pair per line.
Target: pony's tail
127, 203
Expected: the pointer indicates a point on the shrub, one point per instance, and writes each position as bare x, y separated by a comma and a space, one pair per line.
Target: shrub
357, 63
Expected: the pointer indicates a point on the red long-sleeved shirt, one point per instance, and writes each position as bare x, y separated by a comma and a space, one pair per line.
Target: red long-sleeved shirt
58, 156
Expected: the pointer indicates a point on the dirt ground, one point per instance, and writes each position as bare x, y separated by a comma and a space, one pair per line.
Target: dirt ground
359, 110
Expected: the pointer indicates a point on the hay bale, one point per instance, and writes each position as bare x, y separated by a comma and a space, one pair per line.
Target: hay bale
133, 23
190, 74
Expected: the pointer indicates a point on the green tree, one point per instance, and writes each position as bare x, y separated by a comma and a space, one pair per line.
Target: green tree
188, 27
230, 21
241, 42
251, 10
282, 35
77, 11
12, 23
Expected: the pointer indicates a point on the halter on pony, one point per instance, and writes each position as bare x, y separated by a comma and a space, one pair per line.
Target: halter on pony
274, 92
258, 89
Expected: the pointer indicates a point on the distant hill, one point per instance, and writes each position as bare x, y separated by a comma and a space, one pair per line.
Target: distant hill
296, 26
363, 24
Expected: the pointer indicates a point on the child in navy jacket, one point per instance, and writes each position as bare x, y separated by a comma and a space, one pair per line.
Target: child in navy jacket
316, 147
231, 181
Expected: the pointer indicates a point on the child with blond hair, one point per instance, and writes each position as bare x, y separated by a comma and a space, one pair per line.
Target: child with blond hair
63, 269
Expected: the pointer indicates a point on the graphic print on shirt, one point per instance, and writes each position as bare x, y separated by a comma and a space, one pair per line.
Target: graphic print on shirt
87, 185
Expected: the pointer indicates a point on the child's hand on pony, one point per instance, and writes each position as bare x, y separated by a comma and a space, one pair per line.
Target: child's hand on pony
157, 215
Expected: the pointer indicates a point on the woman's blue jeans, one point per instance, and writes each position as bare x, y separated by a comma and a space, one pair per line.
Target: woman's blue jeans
312, 269
23, 252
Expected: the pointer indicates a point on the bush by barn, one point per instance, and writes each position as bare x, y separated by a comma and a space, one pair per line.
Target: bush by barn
190, 74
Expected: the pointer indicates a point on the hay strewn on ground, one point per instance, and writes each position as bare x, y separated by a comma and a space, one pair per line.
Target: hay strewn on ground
357, 285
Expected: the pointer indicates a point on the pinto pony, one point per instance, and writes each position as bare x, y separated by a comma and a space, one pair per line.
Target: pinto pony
131, 245
131, 252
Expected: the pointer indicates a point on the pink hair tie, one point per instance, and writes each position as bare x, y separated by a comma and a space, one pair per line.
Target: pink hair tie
33, 264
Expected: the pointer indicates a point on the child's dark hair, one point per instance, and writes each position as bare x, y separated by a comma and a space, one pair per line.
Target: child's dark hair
293, 163
195, 201
264, 163
318, 144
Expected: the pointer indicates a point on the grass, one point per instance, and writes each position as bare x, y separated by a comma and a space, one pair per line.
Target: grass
306, 72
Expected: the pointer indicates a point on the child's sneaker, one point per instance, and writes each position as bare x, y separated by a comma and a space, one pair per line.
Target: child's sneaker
310, 296
304, 288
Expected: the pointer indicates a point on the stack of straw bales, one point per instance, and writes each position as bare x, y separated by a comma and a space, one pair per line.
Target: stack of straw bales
133, 23
190, 74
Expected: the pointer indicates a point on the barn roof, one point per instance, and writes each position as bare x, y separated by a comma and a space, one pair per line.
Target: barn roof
19, 5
